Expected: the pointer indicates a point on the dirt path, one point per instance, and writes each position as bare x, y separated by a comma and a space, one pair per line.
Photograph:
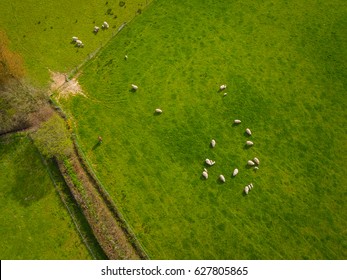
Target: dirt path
107, 226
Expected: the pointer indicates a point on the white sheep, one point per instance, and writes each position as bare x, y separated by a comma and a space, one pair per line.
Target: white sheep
125, 57
79, 43
74, 38
249, 143
225, 94
105, 25
237, 121
159, 111
248, 131
222, 178
222, 87
213, 143
250, 163
210, 162
204, 174
256, 168
256, 161
134, 87
246, 190
235, 172
96, 29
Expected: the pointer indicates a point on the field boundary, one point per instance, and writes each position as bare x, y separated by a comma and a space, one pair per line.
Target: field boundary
109, 201
101, 190
74, 219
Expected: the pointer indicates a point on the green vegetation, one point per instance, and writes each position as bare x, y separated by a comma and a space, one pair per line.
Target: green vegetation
42, 32
34, 222
285, 66
53, 138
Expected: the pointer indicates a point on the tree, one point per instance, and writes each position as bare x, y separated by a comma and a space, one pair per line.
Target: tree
53, 138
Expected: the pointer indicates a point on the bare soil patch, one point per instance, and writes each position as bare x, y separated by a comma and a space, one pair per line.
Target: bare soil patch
65, 87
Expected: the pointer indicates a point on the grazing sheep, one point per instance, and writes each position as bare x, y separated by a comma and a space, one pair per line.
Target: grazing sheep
74, 39
235, 172
225, 94
204, 173
256, 161
256, 168
221, 177
213, 143
159, 111
125, 57
222, 87
248, 131
237, 121
210, 162
96, 29
134, 87
250, 163
249, 143
79, 43
105, 25
246, 190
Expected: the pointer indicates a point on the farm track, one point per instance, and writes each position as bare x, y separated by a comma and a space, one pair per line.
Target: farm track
107, 227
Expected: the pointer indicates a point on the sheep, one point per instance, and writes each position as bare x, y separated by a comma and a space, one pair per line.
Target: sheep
256, 161
248, 131
213, 143
237, 121
134, 87
250, 186
96, 29
125, 57
79, 43
256, 168
225, 94
105, 25
221, 177
205, 174
158, 111
222, 87
74, 39
249, 143
250, 163
246, 190
235, 172
210, 162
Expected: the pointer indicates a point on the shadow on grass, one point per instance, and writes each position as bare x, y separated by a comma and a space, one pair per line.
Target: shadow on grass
246, 147
96, 145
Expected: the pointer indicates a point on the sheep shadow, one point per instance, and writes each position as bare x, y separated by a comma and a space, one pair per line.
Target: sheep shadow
96, 145
246, 134
246, 147
236, 124
157, 114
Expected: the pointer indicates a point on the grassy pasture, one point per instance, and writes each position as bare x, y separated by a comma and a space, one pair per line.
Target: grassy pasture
41, 31
285, 66
34, 222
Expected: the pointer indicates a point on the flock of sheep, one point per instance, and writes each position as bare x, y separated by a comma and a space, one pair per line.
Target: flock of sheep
80, 44
254, 162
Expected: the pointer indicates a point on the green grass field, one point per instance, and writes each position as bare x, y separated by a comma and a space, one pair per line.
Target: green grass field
285, 67
34, 222
41, 31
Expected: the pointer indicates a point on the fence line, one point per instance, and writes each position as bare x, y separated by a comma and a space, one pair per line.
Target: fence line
91, 55
74, 220
105, 194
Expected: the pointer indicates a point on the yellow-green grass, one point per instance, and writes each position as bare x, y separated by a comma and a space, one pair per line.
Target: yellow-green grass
41, 31
284, 63
34, 222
